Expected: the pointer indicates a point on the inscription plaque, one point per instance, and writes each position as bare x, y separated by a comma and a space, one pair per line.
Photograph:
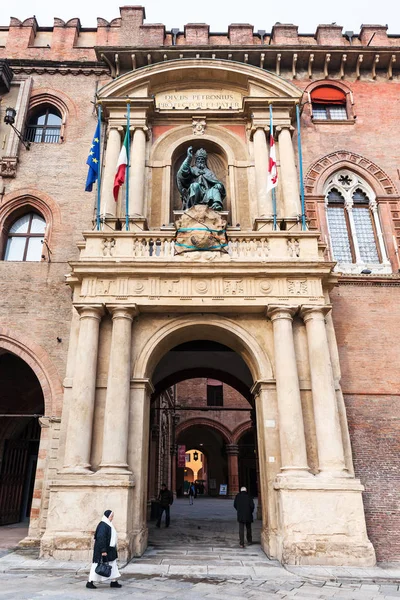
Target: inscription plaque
198, 99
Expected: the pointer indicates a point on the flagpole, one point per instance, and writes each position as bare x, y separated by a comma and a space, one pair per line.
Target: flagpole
271, 130
128, 123
303, 212
99, 172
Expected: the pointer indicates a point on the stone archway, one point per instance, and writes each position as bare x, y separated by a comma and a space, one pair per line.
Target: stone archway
42, 400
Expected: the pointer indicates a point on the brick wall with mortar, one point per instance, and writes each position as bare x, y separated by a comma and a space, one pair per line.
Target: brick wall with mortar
193, 392
364, 317
35, 302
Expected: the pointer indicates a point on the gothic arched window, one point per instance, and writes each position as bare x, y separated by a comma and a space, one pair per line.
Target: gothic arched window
356, 238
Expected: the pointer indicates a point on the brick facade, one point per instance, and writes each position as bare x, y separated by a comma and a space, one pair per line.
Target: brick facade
72, 63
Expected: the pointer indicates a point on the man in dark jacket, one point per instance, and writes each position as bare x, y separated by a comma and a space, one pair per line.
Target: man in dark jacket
165, 499
244, 505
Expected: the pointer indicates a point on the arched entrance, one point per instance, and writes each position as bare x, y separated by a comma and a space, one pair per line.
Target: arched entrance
215, 350
21, 405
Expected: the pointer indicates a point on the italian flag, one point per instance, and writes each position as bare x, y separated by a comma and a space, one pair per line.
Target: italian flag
272, 170
121, 166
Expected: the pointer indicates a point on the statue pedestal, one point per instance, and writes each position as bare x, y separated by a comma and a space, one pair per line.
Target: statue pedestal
200, 229
178, 214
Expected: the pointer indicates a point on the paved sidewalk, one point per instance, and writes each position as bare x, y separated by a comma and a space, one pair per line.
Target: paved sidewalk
197, 557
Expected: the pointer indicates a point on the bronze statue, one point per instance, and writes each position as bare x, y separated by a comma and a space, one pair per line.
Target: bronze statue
198, 184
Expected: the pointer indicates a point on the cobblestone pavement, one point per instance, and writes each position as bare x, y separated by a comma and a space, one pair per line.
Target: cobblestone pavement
197, 557
32, 586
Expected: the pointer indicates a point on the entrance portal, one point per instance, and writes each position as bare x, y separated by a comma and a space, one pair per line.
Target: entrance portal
21, 404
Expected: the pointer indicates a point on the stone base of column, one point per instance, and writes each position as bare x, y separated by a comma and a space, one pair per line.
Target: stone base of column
76, 506
322, 523
136, 223
139, 541
283, 224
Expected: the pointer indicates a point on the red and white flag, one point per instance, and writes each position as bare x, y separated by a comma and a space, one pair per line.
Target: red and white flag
121, 166
272, 170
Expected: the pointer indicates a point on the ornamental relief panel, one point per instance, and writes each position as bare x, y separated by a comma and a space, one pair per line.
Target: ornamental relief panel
246, 288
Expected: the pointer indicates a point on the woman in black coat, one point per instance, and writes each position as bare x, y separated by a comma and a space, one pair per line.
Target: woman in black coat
105, 549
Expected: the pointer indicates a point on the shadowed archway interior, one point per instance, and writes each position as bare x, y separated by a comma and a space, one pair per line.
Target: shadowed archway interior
21, 402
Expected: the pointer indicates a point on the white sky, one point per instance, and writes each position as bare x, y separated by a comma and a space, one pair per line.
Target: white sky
217, 13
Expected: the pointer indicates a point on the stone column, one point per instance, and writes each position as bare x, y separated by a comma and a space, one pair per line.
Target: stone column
108, 204
288, 173
261, 159
116, 414
291, 424
327, 424
232, 451
173, 469
137, 173
138, 453
349, 207
80, 421
373, 205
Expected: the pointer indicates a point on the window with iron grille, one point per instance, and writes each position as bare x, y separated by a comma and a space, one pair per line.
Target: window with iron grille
329, 103
44, 126
25, 238
353, 223
329, 112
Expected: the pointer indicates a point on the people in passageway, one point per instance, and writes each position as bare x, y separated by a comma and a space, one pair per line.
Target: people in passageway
192, 493
165, 499
244, 505
105, 550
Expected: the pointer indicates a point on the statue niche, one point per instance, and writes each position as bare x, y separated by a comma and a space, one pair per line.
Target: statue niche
197, 184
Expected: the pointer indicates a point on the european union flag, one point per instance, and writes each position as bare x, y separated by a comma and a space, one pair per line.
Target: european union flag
93, 160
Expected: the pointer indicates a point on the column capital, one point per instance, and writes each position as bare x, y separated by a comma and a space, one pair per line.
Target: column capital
258, 126
281, 311
114, 125
90, 311
122, 312
308, 313
142, 383
261, 385
141, 127
281, 128
232, 449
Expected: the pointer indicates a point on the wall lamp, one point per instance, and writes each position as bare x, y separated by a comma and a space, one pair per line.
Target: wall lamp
9, 119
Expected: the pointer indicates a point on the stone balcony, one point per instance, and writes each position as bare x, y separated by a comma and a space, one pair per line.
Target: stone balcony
160, 246
253, 269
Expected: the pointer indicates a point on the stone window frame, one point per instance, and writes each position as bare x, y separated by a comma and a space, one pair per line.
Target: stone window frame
18, 207
347, 190
46, 109
27, 236
48, 100
350, 104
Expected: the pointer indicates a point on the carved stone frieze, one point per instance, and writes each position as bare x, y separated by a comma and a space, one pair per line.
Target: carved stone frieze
297, 287
198, 289
8, 166
108, 245
293, 248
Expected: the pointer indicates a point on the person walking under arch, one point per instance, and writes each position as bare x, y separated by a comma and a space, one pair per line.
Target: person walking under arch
165, 499
192, 493
244, 505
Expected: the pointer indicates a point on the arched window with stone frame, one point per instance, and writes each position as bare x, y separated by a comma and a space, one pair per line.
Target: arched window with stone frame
355, 233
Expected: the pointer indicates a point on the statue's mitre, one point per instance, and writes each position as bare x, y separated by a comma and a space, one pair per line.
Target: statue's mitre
201, 153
